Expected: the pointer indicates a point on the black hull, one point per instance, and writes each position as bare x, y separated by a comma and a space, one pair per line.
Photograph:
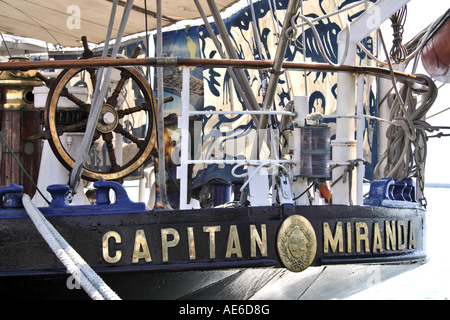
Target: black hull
221, 253
316, 283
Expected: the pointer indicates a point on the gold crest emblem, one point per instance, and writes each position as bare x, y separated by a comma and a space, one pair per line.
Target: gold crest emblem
296, 243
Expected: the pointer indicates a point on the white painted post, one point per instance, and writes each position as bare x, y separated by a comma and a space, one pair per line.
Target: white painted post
344, 146
259, 187
360, 170
183, 125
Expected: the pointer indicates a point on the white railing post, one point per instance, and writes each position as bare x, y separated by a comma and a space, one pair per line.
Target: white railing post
344, 146
183, 125
360, 170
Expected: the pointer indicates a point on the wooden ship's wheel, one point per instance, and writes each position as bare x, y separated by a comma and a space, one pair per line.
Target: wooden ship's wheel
125, 145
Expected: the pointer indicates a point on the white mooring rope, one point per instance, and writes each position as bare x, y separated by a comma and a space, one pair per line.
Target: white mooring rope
94, 286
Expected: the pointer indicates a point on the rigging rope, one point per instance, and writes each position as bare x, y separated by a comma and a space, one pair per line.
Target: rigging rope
291, 33
347, 176
398, 51
406, 149
23, 168
82, 272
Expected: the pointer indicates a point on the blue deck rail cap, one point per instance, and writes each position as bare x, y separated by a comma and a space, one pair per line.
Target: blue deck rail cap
102, 193
11, 196
58, 192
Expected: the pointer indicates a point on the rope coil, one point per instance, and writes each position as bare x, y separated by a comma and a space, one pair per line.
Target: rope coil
407, 142
398, 51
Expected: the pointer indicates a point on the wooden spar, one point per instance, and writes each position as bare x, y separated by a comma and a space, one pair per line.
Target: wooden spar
207, 63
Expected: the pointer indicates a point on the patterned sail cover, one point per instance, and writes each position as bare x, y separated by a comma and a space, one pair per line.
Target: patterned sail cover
232, 136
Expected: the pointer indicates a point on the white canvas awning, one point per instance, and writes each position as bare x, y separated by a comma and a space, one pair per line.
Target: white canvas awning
64, 22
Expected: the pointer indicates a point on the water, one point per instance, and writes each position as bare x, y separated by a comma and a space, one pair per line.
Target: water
432, 280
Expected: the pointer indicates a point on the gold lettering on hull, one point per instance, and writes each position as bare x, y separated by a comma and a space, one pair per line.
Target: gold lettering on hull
362, 234
398, 235
212, 240
401, 235
105, 247
390, 235
349, 237
377, 240
333, 241
234, 246
112, 246
166, 244
256, 240
141, 249
191, 243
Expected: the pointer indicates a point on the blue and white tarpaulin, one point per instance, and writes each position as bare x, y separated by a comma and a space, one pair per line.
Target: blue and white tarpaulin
232, 136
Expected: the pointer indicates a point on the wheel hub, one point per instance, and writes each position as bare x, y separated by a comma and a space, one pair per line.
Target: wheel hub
108, 119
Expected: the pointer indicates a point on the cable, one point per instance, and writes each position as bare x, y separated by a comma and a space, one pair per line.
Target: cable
442, 111
307, 189
23, 169
6, 45
292, 31
414, 46
35, 20
406, 150
398, 51
262, 164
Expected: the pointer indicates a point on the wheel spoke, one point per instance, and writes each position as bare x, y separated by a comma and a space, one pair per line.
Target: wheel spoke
83, 105
108, 137
124, 76
123, 113
95, 137
93, 74
120, 130
72, 127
